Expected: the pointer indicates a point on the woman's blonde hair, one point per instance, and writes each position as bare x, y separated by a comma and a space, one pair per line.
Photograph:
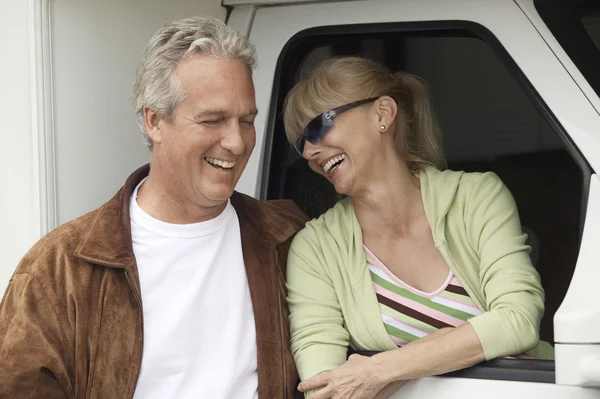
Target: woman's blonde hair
341, 80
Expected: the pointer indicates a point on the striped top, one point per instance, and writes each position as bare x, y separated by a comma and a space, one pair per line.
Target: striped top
408, 313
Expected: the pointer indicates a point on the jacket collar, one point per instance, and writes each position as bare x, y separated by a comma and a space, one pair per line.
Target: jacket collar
107, 240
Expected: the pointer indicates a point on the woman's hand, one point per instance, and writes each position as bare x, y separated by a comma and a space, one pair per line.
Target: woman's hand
355, 379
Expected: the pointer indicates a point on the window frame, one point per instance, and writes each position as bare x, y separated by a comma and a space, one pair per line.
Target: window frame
273, 165
503, 369
564, 19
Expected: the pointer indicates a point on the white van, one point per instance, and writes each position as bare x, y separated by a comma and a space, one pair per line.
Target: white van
516, 85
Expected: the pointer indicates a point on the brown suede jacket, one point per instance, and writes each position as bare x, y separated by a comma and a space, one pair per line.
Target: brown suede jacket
71, 319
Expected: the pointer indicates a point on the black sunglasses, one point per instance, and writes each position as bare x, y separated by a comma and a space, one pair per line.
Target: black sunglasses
323, 123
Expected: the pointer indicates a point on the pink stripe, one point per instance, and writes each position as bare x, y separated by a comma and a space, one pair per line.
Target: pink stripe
391, 275
456, 282
405, 324
462, 303
398, 341
453, 321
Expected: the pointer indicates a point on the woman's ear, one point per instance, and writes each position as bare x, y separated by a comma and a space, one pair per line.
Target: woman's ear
152, 121
386, 109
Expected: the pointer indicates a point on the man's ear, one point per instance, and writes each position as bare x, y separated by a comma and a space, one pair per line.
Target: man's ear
386, 109
152, 121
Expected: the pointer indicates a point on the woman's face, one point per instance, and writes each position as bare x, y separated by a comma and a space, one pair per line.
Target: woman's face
350, 154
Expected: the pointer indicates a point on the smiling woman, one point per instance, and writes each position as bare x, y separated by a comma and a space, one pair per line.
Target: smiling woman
418, 262
420, 144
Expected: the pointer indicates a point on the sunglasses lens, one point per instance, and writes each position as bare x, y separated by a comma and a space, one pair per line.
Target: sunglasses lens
316, 129
299, 146
314, 132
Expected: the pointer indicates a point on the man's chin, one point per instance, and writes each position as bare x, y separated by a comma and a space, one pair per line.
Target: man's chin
213, 192
218, 197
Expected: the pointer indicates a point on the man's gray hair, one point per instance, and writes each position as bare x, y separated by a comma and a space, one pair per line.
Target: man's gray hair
156, 85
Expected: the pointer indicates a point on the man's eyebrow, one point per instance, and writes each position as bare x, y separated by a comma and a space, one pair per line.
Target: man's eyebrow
220, 112
253, 112
211, 112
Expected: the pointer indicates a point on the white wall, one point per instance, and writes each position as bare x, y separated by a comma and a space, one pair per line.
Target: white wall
97, 45
18, 222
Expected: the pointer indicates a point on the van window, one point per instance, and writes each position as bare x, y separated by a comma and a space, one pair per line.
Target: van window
491, 119
591, 24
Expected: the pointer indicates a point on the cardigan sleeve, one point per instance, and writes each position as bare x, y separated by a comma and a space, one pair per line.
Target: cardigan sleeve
319, 340
513, 292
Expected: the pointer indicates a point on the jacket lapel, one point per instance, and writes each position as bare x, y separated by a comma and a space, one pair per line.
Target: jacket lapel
260, 259
107, 242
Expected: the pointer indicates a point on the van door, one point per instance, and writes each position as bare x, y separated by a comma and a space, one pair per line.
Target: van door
548, 123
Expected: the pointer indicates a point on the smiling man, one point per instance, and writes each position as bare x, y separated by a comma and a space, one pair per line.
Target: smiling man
174, 288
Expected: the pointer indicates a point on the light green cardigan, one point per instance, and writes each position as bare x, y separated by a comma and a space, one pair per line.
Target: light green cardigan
476, 227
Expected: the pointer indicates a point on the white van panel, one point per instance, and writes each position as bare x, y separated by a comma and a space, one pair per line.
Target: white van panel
578, 318
274, 26
468, 388
578, 365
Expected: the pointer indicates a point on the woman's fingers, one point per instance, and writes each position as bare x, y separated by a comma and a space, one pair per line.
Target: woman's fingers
317, 381
325, 393
353, 380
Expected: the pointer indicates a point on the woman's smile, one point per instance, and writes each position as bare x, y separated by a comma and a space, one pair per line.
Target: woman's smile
331, 166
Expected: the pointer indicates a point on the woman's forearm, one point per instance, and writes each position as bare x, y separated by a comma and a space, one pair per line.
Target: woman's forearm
389, 389
393, 386
441, 352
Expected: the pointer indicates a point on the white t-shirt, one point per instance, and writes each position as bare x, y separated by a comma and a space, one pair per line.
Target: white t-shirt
199, 332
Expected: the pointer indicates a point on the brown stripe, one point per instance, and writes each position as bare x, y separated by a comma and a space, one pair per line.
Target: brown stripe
412, 313
456, 289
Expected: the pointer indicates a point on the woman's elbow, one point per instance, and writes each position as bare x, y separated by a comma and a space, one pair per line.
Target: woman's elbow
526, 333
528, 339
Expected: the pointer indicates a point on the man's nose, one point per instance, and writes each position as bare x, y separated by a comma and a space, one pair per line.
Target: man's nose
233, 139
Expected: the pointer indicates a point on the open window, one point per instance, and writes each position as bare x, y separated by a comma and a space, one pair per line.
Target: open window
491, 119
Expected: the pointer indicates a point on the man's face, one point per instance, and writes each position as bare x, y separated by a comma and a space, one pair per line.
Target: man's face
201, 153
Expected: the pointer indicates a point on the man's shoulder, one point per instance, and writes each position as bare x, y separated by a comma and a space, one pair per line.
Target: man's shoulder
272, 215
284, 208
57, 247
